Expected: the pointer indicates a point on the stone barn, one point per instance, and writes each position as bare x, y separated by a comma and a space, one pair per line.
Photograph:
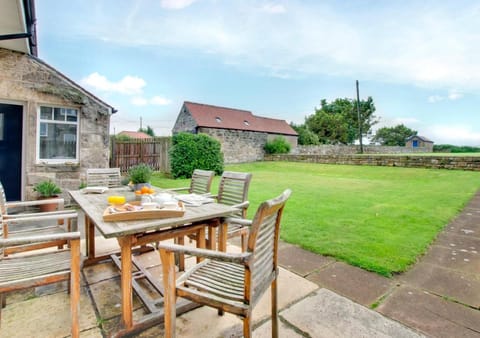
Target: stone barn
419, 142
241, 134
50, 127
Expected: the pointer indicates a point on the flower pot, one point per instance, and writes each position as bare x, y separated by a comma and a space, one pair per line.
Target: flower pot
49, 207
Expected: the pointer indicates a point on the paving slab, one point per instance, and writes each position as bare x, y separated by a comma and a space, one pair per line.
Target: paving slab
46, 316
454, 258
300, 261
327, 314
433, 315
461, 286
359, 285
451, 240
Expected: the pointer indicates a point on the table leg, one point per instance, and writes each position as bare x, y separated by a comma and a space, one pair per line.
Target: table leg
90, 238
222, 237
126, 280
212, 238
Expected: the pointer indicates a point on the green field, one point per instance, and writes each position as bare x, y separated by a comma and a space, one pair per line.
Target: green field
378, 218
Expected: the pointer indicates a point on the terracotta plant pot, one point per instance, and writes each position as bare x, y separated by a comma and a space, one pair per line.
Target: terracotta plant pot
48, 207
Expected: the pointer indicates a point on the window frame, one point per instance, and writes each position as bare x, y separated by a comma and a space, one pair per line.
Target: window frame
41, 133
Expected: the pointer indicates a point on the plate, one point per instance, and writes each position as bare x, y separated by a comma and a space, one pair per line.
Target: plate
94, 190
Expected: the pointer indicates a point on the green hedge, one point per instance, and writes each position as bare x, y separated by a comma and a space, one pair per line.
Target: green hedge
279, 145
195, 151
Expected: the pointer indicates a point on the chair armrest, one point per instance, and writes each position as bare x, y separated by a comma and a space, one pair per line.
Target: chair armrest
59, 201
41, 217
178, 189
243, 205
240, 221
240, 258
64, 213
6, 242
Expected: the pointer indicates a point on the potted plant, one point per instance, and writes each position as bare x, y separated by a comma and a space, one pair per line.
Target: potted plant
47, 189
140, 175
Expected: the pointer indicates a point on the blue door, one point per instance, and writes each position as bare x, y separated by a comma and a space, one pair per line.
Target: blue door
11, 150
415, 144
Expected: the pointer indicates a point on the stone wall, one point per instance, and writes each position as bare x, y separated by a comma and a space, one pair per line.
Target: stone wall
408, 161
185, 122
239, 146
29, 82
328, 149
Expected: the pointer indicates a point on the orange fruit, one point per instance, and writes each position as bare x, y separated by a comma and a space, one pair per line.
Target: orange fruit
138, 192
151, 191
145, 190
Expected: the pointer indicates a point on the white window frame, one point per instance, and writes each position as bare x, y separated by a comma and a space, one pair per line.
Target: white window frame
42, 134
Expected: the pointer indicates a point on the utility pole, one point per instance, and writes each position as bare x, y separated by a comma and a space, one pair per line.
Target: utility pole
359, 121
140, 123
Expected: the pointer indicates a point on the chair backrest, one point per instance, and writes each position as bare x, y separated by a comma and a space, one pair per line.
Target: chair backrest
233, 189
3, 200
104, 177
201, 181
263, 242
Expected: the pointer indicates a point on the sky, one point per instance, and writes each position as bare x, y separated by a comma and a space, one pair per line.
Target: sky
418, 60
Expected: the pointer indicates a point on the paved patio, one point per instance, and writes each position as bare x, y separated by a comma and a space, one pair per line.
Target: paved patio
319, 297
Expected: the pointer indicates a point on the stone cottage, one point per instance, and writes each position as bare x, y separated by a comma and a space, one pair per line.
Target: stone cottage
242, 135
50, 127
419, 142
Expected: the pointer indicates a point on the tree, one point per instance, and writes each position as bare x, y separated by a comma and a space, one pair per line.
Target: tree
337, 122
393, 136
305, 135
148, 131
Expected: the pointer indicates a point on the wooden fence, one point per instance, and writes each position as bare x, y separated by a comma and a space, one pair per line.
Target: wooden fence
127, 153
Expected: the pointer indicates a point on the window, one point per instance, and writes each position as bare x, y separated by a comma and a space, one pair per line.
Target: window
58, 134
218, 119
415, 143
246, 123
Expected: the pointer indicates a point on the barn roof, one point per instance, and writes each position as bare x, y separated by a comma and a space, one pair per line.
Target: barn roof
135, 134
422, 138
206, 115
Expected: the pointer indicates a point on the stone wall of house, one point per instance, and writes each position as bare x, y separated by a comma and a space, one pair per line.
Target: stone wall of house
185, 122
408, 161
328, 149
239, 146
29, 82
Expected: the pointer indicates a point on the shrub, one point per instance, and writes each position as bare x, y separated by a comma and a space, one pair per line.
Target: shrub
140, 173
278, 146
47, 189
195, 151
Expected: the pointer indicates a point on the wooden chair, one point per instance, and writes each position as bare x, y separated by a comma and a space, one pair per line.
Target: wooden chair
15, 224
19, 272
233, 190
227, 281
104, 177
200, 184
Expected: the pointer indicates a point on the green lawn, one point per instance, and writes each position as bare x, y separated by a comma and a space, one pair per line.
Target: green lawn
378, 218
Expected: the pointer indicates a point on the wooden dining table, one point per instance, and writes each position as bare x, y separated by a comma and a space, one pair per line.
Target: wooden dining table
138, 233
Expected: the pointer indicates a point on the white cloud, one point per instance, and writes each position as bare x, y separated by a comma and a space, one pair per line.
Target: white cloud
430, 44
454, 95
176, 4
274, 8
160, 101
435, 98
452, 134
128, 85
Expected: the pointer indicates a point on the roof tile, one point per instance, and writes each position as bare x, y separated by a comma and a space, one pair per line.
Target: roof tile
228, 118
